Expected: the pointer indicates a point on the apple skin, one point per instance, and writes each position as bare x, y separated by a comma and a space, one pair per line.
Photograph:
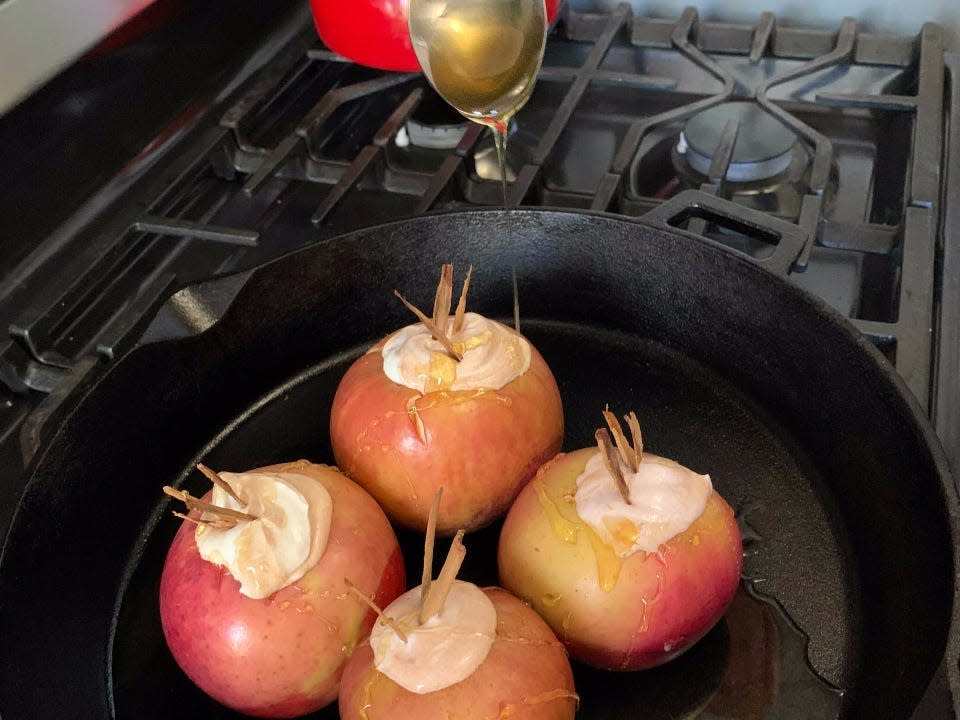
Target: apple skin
281, 656
660, 604
526, 676
482, 446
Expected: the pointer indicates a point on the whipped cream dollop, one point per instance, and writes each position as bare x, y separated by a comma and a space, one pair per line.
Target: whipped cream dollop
665, 499
285, 541
492, 356
446, 649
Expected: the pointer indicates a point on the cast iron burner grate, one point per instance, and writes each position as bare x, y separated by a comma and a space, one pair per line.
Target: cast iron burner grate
313, 146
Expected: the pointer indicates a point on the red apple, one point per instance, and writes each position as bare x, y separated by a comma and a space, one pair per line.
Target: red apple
448, 649
281, 656
613, 612
482, 445
526, 676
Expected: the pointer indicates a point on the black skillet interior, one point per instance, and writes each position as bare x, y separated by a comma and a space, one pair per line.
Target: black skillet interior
841, 490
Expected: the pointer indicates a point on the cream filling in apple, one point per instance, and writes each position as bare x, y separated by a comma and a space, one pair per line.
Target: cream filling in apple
446, 649
492, 356
665, 499
293, 514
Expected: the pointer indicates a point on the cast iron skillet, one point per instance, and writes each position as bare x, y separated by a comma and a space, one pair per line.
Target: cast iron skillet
840, 483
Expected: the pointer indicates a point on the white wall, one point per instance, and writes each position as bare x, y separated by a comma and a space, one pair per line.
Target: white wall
38, 38
881, 16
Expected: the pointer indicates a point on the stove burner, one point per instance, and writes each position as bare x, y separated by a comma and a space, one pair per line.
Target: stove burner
434, 124
763, 148
434, 137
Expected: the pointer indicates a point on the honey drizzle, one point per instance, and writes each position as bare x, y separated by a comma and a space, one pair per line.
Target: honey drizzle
609, 563
457, 397
567, 531
367, 703
550, 695
507, 709
442, 372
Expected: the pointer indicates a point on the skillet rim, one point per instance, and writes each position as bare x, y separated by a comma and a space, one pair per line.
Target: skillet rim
951, 656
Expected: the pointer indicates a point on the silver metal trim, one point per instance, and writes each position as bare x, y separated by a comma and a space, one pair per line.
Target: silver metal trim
737, 172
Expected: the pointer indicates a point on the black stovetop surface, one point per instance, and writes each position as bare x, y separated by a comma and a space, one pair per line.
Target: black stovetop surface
93, 239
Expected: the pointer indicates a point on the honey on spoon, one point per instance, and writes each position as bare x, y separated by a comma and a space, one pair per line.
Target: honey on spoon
482, 57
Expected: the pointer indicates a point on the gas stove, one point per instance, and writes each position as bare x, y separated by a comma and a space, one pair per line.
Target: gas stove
848, 136
840, 132
727, 130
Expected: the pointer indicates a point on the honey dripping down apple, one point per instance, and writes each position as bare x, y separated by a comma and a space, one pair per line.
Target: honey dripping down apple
459, 351
634, 502
630, 558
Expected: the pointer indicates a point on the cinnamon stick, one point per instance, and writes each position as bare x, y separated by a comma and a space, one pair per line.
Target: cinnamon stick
427, 577
384, 618
194, 503
215, 478
626, 452
442, 298
448, 573
462, 302
611, 460
219, 523
634, 424
429, 324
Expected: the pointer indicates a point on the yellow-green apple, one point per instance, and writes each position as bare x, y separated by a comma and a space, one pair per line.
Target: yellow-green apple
625, 585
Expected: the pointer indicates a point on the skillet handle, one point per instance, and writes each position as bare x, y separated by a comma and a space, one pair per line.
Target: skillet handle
696, 205
194, 308
187, 312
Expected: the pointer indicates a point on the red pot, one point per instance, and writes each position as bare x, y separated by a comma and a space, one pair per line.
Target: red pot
374, 32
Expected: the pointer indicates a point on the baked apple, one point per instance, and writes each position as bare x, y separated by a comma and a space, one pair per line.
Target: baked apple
252, 598
629, 557
456, 400
448, 649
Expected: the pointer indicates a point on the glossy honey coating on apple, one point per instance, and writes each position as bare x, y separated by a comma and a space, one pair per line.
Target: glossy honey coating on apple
449, 650
282, 655
482, 444
612, 606
525, 676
